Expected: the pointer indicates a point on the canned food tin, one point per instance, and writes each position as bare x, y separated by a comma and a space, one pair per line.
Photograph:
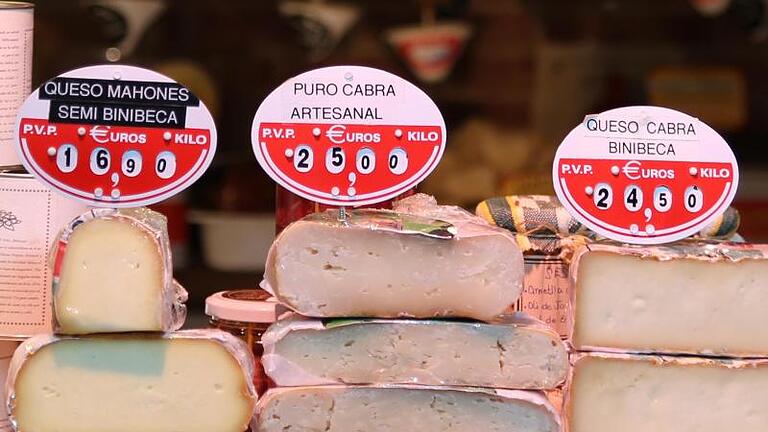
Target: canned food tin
31, 216
16, 27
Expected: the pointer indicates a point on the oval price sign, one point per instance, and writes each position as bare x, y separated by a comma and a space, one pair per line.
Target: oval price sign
644, 174
115, 136
348, 135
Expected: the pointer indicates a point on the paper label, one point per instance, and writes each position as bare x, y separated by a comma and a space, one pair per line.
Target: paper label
546, 292
348, 135
645, 175
115, 136
16, 30
30, 218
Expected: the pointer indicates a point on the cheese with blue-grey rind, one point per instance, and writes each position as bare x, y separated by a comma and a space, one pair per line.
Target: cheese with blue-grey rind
191, 381
689, 297
642, 393
113, 273
421, 261
403, 408
514, 353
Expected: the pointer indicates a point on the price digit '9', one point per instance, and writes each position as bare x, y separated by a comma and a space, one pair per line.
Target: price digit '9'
66, 158
100, 161
303, 158
397, 161
131, 163
165, 165
603, 196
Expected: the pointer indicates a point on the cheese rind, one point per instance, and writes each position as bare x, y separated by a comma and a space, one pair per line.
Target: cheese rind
690, 298
518, 353
323, 267
401, 408
192, 381
640, 393
112, 273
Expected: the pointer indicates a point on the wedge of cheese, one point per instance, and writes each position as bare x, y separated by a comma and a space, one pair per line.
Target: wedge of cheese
641, 393
423, 261
517, 353
689, 297
379, 409
112, 273
192, 381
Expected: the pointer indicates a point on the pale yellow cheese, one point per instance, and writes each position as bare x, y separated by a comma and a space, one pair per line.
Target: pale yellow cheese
674, 306
647, 394
130, 384
111, 279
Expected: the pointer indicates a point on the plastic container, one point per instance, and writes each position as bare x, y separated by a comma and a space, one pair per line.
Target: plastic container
246, 314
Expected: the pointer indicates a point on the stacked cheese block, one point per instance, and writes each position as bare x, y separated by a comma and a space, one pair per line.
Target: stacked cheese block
670, 338
116, 362
402, 367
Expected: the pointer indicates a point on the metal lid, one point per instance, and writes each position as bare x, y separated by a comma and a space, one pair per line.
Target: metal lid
16, 5
249, 305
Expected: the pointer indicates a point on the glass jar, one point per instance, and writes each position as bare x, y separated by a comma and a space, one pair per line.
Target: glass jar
246, 314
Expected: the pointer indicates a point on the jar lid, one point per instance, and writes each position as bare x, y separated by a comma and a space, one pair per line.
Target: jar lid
248, 305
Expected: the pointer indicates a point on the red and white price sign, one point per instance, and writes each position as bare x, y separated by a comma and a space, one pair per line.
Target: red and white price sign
644, 174
348, 135
115, 136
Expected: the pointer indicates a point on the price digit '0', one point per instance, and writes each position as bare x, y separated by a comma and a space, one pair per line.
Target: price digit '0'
662, 199
165, 165
633, 198
397, 161
66, 158
693, 199
365, 161
603, 196
335, 160
100, 161
131, 163
303, 158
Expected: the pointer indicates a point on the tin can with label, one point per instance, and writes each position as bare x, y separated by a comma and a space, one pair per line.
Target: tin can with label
16, 27
31, 216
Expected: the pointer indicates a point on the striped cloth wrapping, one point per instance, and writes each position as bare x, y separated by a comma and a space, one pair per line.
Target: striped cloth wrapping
543, 215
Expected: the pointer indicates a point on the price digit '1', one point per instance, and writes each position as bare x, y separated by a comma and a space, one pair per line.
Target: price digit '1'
66, 158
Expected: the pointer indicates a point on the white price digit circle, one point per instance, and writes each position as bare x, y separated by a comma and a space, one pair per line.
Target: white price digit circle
693, 199
662, 199
165, 165
101, 160
335, 160
397, 161
365, 161
633, 198
66, 158
131, 163
603, 196
303, 158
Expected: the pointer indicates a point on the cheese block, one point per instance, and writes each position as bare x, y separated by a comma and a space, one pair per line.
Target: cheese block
641, 393
191, 381
403, 408
517, 353
421, 260
689, 297
113, 273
